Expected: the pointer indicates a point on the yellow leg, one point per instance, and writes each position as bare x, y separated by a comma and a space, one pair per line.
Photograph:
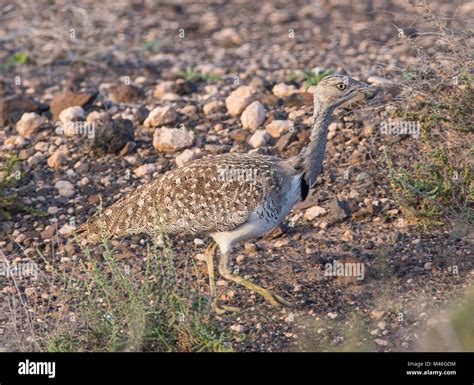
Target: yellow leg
210, 252
224, 270
219, 309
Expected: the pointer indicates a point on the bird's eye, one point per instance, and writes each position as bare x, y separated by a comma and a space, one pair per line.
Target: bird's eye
341, 86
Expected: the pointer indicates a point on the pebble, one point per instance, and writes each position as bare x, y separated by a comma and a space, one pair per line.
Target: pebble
172, 139
65, 188
71, 114
160, 116
259, 139
277, 127
188, 155
314, 212
213, 107
282, 90
253, 116
239, 99
381, 342
144, 170
29, 124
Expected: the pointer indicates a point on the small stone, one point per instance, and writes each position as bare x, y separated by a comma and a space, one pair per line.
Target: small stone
362, 176
332, 315
428, 265
253, 116
66, 229
277, 127
97, 116
160, 116
213, 107
58, 157
250, 248
314, 212
237, 328
112, 136
65, 188
347, 236
227, 37
377, 314
259, 139
52, 210
189, 110
188, 155
198, 241
29, 124
239, 99
162, 89
71, 114
144, 170
379, 81
282, 90
381, 325
338, 210
126, 93
172, 139
29, 291
381, 342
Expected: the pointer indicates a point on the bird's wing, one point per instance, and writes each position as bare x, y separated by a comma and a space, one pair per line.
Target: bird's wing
207, 195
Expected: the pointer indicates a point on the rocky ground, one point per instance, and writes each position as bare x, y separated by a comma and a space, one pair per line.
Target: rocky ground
161, 84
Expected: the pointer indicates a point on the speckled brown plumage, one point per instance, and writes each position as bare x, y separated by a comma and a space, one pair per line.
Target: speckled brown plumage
211, 194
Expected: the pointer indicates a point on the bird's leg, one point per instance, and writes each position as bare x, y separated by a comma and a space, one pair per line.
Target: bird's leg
210, 253
224, 270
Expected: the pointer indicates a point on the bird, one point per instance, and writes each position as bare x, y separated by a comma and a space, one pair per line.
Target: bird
231, 197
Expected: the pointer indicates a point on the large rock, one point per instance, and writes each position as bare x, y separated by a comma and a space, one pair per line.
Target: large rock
69, 99
172, 139
29, 124
160, 116
12, 108
239, 99
126, 93
112, 136
253, 116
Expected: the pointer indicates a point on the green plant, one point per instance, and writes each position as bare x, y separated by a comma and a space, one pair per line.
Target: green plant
191, 74
312, 77
18, 58
10, 177
433, 188
117, 308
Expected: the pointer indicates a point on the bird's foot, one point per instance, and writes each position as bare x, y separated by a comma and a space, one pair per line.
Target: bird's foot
221, 309
272, 298
282, 301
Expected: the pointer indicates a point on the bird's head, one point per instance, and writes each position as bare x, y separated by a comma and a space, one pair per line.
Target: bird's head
334, 90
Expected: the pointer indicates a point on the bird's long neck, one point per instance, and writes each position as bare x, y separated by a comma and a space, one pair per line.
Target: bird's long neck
311, 157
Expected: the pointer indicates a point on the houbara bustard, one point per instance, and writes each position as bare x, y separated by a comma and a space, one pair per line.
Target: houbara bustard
207, 196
